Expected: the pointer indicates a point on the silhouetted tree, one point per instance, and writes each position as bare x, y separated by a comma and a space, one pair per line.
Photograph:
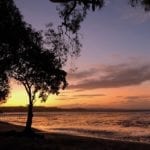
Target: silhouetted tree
40, 72
15, 39
24, 58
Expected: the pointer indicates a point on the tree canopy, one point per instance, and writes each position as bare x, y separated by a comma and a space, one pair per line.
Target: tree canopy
12, 31
18, 42
73, 12
32, 59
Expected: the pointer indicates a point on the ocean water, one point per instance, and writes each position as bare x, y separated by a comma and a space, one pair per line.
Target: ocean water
129, 126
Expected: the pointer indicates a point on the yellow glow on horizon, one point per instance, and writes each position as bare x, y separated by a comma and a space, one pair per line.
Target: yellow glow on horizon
106, 98
19, 97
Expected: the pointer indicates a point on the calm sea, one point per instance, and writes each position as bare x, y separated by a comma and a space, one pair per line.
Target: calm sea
130, 126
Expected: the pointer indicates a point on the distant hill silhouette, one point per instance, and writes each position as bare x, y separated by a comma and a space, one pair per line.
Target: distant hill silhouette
57, 109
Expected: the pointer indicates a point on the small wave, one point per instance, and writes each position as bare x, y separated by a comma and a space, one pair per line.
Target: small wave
134, 123
103, 134
88, 132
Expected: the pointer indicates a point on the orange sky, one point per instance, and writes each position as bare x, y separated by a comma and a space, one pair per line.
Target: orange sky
114, 67
126, 97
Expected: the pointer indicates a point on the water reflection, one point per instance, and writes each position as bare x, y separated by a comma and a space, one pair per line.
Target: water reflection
133, 126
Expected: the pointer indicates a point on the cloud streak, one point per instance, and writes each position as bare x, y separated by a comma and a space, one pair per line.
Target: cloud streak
136, 102
137, 98
79, 96
113, 77
89, 95
83, 74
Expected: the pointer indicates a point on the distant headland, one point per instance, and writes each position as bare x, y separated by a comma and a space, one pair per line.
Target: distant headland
59, 109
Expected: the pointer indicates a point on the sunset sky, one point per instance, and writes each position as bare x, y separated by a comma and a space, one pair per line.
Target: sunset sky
113, 70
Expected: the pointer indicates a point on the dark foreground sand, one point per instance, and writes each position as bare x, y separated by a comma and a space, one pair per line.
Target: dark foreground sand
11, 140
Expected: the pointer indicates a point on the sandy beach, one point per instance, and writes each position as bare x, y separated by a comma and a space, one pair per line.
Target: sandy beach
11, 139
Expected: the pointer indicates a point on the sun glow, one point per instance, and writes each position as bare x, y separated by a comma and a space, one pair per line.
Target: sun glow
99, 98
19, 97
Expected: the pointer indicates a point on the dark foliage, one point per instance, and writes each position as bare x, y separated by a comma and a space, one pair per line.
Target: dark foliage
4, 87
12, 32
73, 12
21, 48
11, 38
61, 43
143, 3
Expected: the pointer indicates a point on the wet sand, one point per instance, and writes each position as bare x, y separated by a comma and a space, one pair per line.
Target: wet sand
11, 139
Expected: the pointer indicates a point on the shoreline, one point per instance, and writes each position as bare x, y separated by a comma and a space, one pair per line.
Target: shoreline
58, 141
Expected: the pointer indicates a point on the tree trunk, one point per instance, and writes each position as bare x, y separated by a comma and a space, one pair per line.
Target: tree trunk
28, 128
